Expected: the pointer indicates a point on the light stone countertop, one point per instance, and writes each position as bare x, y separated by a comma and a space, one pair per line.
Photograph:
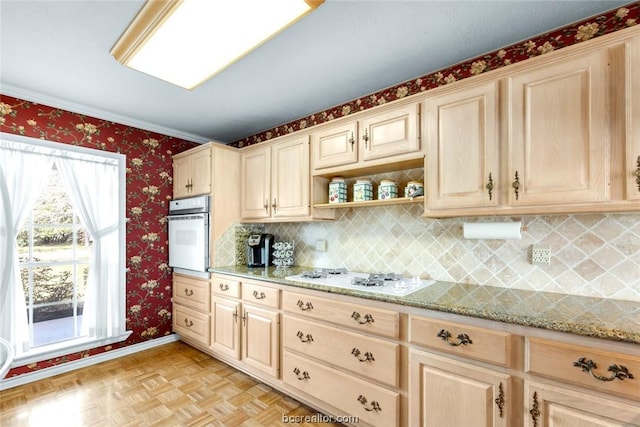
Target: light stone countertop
603, 318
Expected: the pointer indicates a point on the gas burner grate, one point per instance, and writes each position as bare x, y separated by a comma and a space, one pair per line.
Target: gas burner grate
386, 276
315, 274
334, 271
367, 281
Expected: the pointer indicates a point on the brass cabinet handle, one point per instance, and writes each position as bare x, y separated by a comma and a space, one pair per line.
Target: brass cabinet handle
500, 400
266, 206
535, 410
516, 185
235, 315
373, 406
365, 138
188, 292
352, 141
368, 357
490, 186
302, 376
188, 323
303, 338
617, 371
274, 205
463, 339
260, 295
637, 173
244, 318
367, 318
224, 287
304, 307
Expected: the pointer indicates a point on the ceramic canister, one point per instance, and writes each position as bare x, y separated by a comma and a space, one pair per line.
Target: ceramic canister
413, 189
387, 190
362, 190
337, 190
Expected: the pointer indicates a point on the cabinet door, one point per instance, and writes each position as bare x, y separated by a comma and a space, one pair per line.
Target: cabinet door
255, 183
181, 177
225, 329
261, 339
391, 133
558, 136
335, 146
550, 406
462, 148
633, 142
450, 393
201, 172
290, 180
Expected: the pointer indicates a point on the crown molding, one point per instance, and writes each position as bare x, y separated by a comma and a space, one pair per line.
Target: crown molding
40, 98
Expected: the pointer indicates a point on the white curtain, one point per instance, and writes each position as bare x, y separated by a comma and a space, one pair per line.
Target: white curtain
93, 188
23, 173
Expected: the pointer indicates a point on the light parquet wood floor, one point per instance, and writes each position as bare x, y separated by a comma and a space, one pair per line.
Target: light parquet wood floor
171, 385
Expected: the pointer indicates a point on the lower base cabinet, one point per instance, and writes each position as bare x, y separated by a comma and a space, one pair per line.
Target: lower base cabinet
369, 403
447, 393
552, 406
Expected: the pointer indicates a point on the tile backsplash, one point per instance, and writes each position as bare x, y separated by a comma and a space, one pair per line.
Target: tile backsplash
591, 255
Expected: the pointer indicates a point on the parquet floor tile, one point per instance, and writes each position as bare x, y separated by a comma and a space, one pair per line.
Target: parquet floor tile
172, 385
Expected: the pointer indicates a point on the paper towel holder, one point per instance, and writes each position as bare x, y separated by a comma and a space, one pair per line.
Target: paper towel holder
510, 230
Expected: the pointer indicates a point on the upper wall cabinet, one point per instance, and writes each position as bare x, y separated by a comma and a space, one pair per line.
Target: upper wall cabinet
275, 182
632, 158
558, 132
192, 172
389, 135
461, 130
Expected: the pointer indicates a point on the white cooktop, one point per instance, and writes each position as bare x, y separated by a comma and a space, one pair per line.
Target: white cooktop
402, 287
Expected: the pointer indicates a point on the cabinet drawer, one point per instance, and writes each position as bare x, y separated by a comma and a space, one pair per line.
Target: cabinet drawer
225, 286
192, 293
370, 357
370, 403
457, 338
192, 324
261, 295
595, 369
373, 320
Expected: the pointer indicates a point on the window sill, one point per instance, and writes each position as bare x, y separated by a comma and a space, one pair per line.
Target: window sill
65, 348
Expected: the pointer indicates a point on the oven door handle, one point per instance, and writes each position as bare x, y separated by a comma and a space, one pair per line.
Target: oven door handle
186, 217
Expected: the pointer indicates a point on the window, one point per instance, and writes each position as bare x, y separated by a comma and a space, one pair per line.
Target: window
62, 247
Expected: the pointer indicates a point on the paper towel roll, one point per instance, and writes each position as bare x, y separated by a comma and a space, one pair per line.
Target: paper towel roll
492, 230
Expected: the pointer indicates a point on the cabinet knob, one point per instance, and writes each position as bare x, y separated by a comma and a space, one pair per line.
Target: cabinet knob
490, 186
463, 339
637, 173
188, 323
373, 406
619, 372
516, 185
188, 292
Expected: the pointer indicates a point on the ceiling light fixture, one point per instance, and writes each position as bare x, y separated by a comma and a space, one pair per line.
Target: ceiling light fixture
186, 42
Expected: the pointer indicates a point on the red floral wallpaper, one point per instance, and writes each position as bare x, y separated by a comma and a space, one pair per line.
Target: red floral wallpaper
149, 188
589, 28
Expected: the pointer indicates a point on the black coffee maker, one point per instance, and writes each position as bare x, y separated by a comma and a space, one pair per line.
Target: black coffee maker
260, 250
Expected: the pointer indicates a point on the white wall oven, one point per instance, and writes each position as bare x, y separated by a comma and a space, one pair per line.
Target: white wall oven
189, 236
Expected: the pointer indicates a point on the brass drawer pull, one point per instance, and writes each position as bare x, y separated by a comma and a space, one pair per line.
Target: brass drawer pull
188, 292
224, 287
367, 318
618, 372
303, 338
500, 400
489, 186
304, 307
260, 295
463, 339
368, 357
352, 141
188, 323
365, 138
637, 173
373, 406
535, 410
305, 375
516, 186
235, 315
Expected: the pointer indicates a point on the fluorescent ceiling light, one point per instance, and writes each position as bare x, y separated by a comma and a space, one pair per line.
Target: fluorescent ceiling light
186, 42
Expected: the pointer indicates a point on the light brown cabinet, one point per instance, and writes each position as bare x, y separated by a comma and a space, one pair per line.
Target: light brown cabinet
462, 139
632, 157
192, 172
390, 134
190, 315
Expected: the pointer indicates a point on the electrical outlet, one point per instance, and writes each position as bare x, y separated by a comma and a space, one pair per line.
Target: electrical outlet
321, 245
540, 255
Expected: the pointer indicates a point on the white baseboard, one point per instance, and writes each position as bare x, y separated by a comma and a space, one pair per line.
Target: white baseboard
88, 361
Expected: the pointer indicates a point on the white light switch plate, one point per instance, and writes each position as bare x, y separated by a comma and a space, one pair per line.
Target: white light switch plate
321, 245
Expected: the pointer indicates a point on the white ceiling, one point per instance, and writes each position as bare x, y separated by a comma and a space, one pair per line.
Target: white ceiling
58, 51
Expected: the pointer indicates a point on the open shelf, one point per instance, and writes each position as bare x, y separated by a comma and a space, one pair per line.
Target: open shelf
386, 202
